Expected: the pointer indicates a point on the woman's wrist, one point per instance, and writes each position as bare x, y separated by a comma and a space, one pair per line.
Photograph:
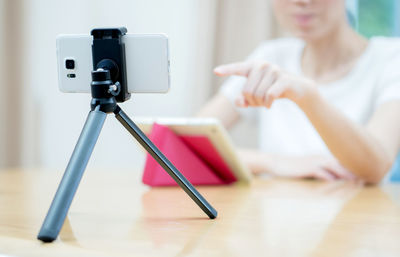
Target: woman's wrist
310, 99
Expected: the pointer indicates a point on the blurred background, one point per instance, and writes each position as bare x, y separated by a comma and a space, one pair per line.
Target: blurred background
39, 125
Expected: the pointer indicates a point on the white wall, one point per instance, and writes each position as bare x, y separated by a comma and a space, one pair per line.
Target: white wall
53, 120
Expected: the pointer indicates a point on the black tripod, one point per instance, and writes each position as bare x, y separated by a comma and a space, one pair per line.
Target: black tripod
105, 93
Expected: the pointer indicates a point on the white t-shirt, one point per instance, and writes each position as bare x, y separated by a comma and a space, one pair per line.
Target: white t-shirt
285, 129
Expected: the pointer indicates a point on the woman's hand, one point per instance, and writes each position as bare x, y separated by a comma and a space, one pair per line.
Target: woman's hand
267, 82
312, 166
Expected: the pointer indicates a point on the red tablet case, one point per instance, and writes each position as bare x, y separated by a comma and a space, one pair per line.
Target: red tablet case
193, 155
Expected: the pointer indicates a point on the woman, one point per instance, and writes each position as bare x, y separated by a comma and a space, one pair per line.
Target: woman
328, 100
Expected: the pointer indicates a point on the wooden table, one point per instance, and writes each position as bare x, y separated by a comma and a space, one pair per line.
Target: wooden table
113, 214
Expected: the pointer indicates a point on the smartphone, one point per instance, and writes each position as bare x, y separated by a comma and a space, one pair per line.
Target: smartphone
147, 63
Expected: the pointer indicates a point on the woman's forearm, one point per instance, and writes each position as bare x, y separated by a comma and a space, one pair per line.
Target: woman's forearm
306, 166
221, 108
258, 162
355, 147
351, 144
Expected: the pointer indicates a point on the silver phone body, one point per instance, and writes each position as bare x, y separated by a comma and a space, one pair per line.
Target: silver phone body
147, 63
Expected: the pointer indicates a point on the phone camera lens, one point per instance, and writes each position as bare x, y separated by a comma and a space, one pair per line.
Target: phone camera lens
70, 64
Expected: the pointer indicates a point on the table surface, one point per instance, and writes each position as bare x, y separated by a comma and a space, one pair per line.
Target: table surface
113, 214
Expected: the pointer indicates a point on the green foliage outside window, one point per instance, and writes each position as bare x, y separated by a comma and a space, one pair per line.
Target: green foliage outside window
378, 17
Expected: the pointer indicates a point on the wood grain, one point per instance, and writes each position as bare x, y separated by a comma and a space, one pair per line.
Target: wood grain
113, 214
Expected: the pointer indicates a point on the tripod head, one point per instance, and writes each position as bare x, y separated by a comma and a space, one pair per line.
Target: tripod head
108, 55
104, 91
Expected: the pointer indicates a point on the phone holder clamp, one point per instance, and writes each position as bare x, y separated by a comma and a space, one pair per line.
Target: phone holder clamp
108, 53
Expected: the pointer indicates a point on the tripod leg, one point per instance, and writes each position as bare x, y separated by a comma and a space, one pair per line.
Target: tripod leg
72, 176
164, 162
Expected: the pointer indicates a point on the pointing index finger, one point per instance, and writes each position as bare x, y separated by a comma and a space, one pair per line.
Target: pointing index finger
238, 68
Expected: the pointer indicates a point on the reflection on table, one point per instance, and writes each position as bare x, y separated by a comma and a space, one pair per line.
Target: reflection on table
113, 214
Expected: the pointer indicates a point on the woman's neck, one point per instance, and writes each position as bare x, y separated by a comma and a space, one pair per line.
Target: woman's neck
332, 57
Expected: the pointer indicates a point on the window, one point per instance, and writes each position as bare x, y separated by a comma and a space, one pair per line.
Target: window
376, 17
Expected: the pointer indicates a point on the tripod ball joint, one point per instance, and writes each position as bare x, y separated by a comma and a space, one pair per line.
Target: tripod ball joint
101, 80
101, 84
104, 91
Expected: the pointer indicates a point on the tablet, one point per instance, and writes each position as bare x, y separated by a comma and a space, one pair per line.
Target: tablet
210, 128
